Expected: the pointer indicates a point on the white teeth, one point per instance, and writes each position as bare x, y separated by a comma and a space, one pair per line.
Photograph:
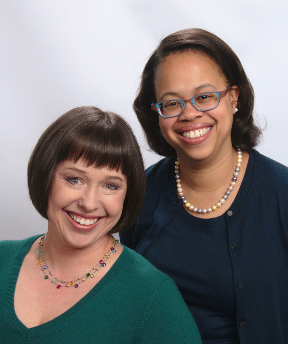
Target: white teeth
82, 220
196, 133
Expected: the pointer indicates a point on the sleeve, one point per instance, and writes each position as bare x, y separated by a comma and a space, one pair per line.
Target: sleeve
166, 318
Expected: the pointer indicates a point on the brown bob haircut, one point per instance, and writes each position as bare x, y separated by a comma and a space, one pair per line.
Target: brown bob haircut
101, 139
245, 134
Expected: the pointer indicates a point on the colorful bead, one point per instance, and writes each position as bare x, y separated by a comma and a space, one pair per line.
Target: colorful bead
80, 279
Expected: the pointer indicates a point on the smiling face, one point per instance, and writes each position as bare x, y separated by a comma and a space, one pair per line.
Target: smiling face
85, 203
195, 134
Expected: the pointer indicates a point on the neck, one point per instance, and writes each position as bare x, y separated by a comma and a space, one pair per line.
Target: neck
65, 261
208, 176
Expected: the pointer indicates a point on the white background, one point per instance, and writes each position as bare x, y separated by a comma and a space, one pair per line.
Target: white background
57, 55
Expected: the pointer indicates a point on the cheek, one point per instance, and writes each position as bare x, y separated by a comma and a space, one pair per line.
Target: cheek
166, 124
115, 206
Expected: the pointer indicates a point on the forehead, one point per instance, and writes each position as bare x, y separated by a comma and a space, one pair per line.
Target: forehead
179, 71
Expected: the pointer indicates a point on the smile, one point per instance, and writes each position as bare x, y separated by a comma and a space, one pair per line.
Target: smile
82, 220
196, 133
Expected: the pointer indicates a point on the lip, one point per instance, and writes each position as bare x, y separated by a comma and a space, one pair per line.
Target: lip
78, 226
195, 140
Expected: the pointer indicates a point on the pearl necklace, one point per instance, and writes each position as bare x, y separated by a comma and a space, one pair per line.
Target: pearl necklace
221, 201
60, 283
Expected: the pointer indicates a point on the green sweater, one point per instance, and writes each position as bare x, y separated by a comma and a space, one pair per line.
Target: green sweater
133, 303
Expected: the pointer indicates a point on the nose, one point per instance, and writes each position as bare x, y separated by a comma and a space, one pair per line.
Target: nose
90, 199
189, 111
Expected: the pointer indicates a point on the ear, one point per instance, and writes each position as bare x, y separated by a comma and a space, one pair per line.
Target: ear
234, 94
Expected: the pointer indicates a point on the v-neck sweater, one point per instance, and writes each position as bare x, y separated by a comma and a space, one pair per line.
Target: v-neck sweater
133, 303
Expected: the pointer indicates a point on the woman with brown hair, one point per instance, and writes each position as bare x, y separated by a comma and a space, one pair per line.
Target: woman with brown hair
214, 216
76, 283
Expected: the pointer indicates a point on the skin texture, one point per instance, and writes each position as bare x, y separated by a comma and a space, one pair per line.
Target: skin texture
207, 162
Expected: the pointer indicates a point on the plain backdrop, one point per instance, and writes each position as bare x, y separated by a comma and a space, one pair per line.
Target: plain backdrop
57, 55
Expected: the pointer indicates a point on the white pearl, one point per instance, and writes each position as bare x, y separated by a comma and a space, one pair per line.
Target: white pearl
222, 200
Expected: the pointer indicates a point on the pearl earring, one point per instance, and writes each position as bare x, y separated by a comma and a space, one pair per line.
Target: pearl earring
235, 110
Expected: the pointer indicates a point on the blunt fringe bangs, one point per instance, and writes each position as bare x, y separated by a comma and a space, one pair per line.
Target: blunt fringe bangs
245, 133
101, 139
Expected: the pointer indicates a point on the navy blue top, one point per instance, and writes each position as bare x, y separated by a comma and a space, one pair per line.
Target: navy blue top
232, 270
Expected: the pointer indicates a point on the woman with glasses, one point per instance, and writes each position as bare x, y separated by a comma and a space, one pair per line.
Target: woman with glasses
215, 213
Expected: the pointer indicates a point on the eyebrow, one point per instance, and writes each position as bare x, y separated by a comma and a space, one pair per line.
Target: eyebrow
75, 169
197, 89
108, 176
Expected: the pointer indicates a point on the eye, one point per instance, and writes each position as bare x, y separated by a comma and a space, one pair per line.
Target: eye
171, 104
206, 97
111, 186
73, 180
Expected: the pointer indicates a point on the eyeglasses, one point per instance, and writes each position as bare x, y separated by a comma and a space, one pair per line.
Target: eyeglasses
202, 102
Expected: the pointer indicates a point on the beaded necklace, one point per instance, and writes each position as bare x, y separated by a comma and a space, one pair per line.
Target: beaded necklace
221, 201
61, 283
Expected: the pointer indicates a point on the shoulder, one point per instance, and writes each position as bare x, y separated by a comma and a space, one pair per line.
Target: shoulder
142, 269
13, 247
159, 169
163, 310
271, 170
147, 277
158, 176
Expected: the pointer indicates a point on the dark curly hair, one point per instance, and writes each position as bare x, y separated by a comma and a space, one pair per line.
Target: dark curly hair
101, 139
245, 133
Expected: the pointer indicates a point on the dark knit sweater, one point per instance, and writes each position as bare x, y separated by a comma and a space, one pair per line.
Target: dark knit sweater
232, 270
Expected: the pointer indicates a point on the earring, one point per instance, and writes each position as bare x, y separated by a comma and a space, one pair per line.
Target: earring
235, 110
